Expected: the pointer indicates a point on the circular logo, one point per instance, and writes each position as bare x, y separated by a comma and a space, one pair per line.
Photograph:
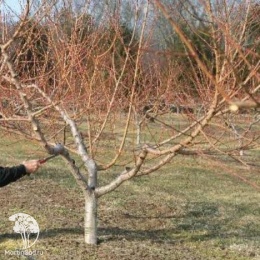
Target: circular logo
25, 225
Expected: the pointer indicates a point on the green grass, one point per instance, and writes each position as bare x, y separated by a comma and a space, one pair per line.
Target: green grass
187, 210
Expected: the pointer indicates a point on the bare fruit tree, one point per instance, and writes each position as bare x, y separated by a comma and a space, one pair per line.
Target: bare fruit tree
98, 84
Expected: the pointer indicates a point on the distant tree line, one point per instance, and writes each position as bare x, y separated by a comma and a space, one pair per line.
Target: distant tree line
116, 43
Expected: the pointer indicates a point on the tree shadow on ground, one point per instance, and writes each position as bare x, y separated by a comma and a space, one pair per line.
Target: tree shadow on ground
45, 233
201, 222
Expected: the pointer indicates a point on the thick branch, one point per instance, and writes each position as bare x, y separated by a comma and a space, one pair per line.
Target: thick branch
27, 104
193, 134
82, 150
124, 176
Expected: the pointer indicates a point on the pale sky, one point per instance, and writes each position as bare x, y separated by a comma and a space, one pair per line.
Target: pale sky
14, 5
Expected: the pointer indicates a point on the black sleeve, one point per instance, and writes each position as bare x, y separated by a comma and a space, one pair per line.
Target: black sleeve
11, 174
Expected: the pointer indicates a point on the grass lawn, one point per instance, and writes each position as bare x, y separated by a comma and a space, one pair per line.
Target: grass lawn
187, 210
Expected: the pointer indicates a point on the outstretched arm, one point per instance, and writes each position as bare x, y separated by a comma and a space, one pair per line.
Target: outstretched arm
11, 174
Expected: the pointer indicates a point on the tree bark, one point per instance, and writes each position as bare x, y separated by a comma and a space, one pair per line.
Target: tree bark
90, 226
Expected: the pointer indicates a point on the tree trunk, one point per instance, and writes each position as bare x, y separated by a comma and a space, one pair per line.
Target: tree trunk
138, 124
90, 217
138, 133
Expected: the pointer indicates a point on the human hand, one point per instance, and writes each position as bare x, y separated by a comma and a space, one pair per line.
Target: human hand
31, 165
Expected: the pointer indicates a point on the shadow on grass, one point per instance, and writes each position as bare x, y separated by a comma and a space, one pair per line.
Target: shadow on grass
169, 236
55, 232
199, 222
45, 233
13, 236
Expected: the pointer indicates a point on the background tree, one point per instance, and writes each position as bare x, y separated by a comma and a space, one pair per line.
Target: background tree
82, 107
31, 51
